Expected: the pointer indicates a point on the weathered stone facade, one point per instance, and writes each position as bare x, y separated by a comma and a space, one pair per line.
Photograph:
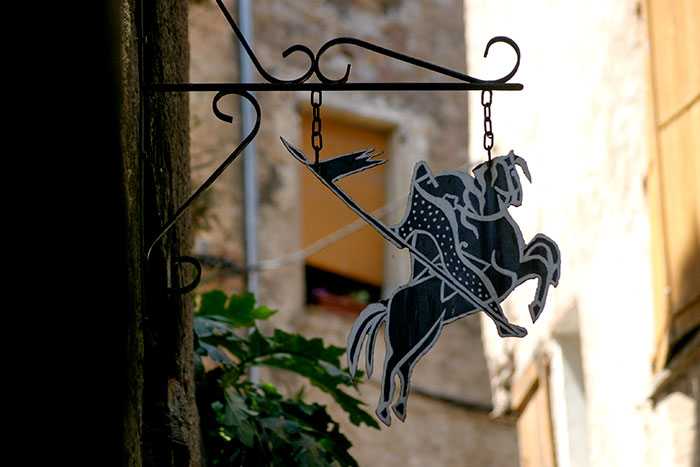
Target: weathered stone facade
448, 419
581, 123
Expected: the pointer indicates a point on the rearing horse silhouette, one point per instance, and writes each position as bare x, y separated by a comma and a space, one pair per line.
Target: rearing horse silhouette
467, 255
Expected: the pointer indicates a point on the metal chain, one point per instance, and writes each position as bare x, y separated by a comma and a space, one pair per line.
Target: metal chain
486, 98
316, 137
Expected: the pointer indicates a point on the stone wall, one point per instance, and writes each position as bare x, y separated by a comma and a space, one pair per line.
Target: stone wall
580, 122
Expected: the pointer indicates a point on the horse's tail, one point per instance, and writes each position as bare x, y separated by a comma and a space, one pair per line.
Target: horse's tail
368, 322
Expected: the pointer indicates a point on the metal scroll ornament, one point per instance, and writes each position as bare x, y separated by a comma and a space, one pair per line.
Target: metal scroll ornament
467, 253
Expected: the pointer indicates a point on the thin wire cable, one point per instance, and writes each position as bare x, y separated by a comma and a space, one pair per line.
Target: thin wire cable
334, 237
331, 238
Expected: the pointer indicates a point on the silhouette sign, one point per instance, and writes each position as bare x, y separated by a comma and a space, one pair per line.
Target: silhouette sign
467, 254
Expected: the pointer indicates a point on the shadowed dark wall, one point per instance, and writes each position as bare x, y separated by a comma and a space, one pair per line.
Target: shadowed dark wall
123, 390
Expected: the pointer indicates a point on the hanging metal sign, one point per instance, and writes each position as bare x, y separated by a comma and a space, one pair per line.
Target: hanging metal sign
467, 252
467, 255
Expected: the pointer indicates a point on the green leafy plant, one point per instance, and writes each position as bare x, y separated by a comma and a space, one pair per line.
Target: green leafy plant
252, 424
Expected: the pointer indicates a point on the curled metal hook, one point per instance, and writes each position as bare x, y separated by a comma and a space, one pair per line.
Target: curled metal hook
515, 47
258, 66
197, 279
212, 178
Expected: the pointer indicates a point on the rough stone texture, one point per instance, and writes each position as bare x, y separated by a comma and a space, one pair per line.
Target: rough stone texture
132, 175
580, 124
161, 417
423, 126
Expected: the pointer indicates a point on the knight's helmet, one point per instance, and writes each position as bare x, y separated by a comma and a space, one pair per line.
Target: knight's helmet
503, 178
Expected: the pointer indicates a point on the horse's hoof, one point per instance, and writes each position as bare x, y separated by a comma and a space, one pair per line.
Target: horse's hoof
535, 310
555, 277
400, 410
383, 415
513, 330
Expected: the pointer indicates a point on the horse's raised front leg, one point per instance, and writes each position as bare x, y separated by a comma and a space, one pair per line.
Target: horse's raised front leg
541, 259
545, 248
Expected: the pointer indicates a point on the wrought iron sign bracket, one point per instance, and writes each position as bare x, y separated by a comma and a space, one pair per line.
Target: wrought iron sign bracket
461, 82
467, 252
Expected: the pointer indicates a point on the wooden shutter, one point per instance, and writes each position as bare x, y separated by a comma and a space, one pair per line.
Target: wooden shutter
359, 255
531, 403
674, 169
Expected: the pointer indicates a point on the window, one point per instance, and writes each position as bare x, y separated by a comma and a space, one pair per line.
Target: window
674, 171
346, 274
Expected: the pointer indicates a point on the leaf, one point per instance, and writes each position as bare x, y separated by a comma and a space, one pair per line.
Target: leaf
212, 303
311, 348
213, 334
236, 310
338, 446
242, 312
310, 452
314, 416
328, 382
320, 426
270, 391
209, 326
238, 419
306, 449
262, 312
287, 430
352, 407
215, 353
259, 345
241, 306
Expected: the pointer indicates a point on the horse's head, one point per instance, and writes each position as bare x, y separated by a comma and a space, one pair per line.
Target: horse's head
503, 179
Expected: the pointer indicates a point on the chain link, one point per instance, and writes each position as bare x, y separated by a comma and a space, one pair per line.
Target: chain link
486, 99
316, 137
